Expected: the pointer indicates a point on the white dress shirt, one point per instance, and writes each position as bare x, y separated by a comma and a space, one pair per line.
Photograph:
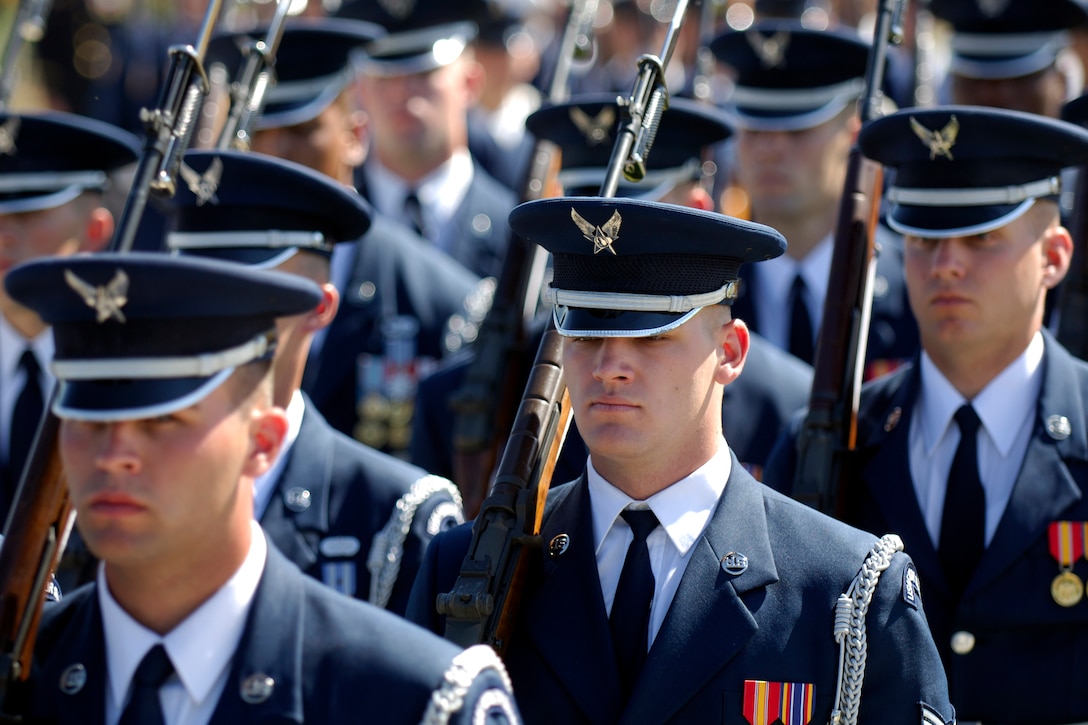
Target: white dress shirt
201, 647
264, 486
12, 378
1007, 409
775, 279
440, 193
683, 510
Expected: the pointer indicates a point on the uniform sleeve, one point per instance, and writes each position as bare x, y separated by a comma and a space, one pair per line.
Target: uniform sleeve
433, 505
781, 464
904, 679
474, 690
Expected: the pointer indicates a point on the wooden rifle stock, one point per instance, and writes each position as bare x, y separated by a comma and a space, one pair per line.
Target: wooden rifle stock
488, 396
41, 515
486, 401
829, 429
1073, 295
34, 537
483, 606
830, 425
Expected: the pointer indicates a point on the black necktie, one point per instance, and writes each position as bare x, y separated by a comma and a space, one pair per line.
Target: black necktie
630, 618
800, 322
26, 414
413, 212
963, 522
144, 707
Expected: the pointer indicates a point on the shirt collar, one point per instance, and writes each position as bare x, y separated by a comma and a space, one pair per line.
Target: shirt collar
265, 484
683, 509
201, 646
1002, 405
776, 278
12, 344
440, 191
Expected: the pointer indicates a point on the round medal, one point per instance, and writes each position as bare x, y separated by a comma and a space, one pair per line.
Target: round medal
1067, 589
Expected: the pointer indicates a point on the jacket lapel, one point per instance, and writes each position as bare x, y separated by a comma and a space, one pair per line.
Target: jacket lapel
81, 651
295, 522
709, 605
1044, 488
265, 681
887, 477
570, 584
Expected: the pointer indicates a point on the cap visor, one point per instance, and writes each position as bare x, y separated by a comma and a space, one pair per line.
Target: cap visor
584, 322
115, 400
954, 221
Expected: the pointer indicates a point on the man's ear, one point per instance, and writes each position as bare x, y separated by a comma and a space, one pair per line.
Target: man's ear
99, 230
734, 343
359, 145
475, 77
323, 315
1058, 254
699, 198
268, 430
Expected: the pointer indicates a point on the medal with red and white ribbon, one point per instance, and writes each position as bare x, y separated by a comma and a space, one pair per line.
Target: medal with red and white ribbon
1066, 539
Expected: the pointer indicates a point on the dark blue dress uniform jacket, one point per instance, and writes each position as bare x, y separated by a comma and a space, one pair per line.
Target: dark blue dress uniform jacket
393, 269
477, 235
1029, 662
332, 659
893, 333
772, 622
353, 491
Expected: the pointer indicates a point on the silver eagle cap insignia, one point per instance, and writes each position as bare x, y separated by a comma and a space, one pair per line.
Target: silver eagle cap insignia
204, 186
771, 50
8, 132
604, 236
106, 300
597, 129
940, 142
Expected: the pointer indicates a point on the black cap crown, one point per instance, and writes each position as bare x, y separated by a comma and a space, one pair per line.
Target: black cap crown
963, 170
313, 65
789, 77
631, 268
1007, 38
585, 130
259, 210
48, 159
144, 334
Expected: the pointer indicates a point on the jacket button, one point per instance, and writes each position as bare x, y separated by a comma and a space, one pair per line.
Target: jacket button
963, 642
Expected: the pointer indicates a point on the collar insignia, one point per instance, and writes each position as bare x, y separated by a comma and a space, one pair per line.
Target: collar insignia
204, 187
992, 8
107, 300
595, 129
771, 51
8, 132
604, 236
940, 143
399, 9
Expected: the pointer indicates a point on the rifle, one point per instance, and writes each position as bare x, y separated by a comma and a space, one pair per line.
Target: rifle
248, 92
829, 429
41, 515
484, 402
483, 606
29, 27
